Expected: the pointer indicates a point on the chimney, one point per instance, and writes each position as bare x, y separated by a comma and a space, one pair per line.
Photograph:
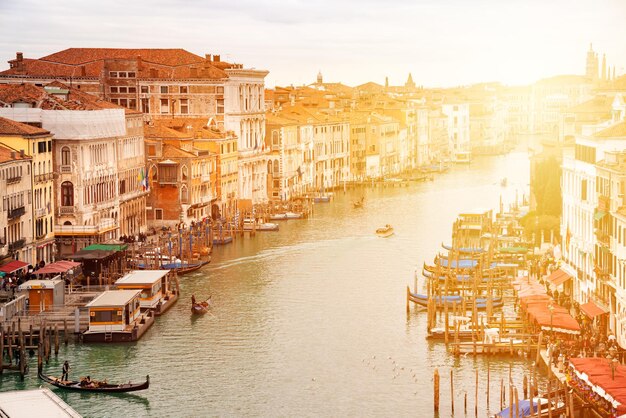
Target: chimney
19, 56
21, 153
216, 58
207, 57
139, 63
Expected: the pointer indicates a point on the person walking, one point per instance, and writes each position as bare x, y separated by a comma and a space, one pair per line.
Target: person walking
66, 371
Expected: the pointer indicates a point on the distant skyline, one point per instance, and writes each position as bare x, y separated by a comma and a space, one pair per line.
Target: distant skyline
443, 43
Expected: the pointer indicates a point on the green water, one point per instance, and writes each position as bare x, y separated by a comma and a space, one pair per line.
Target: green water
309, 320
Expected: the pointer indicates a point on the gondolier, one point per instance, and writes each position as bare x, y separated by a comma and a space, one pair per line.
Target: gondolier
66, 371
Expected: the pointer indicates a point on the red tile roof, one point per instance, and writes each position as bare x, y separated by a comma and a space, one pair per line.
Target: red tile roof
89, 62
11, 127
40, 98
5, 154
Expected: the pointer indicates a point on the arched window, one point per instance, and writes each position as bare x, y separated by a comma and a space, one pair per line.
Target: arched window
276, 166
67, 194
269, 167
184, 173
65, 156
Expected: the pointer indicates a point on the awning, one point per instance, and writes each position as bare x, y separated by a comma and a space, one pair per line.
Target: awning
599, 215
592, 310
106, 247
58, 267
13, 266
559, 277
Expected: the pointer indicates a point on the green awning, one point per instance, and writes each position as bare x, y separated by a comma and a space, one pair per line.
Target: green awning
106, 247
599, 215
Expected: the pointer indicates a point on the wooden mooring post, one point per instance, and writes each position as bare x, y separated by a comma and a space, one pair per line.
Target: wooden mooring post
436, 389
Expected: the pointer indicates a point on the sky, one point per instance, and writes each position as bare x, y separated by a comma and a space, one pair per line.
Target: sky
442, 43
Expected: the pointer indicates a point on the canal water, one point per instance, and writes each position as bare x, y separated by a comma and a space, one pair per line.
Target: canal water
310, 320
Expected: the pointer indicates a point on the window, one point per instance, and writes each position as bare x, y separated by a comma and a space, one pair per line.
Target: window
65, 156
184, 195
122, 74
145, 89
41, 147
220, 89
145, 105
49, 146
131, 74
220, 105
165, 106
67, 194
184, 89
114, 89
113, 74
184, 173
102, 316
583, 190
164, 90
184, 106
132, 89
158, 214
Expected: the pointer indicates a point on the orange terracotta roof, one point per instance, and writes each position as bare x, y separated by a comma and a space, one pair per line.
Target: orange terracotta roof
616, 131
77, 56
160, 131
11, 127
89, 62
171, 151
599, 104
40, 98
5, 154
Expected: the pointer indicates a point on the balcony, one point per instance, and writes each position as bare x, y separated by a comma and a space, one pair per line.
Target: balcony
39, 178
17, 212
66, 169
603, 238
105, 225
66, 210
17, 244
13, 180
41, 212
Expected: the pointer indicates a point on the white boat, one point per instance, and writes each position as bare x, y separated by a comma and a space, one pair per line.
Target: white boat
249, 225
293, 215
385, 231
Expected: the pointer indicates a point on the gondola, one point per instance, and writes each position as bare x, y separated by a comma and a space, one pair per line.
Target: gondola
201, 308
184, 268
95, 386
441, 301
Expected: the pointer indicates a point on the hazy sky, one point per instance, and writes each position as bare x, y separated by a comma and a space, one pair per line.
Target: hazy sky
441, 42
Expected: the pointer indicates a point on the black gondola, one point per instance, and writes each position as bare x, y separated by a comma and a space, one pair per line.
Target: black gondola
95, 386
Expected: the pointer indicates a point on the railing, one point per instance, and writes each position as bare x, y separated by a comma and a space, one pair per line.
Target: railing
603, 238
104, 224
43, 177
168, 180
12, 308
16, 212
66, 210
12, 180
41, 212
16, 245
66, 169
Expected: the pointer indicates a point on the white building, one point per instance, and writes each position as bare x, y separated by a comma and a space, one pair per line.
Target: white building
458, 127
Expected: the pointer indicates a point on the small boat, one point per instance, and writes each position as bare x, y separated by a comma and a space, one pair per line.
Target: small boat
293, 215
249, 225
452, 301
385, 231
278, 216
322, 198
200, 308
94, 386
359, 203
527, 408
183, 268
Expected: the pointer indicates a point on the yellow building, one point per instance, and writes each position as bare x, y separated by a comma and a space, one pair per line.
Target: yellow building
37, 143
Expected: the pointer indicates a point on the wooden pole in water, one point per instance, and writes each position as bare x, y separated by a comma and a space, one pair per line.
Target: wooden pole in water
408, 293
501, 394
539, 350
452, 390
446, 324
549, 398
1, 349
56, 340
436, 389
516, 407
65, 334
571, 403
30, 334
465, 403
10, 344
525, 386
476, 395
488, 383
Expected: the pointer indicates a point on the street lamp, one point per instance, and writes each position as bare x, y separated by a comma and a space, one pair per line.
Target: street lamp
551, 309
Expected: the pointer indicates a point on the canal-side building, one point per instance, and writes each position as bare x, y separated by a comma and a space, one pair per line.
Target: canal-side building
37, 143
458, 131
16, 219
588, 220
87, 133
179, 176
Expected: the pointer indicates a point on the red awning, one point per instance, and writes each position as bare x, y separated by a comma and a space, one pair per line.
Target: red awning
58, 267
13, 266
591, 309
558, 277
